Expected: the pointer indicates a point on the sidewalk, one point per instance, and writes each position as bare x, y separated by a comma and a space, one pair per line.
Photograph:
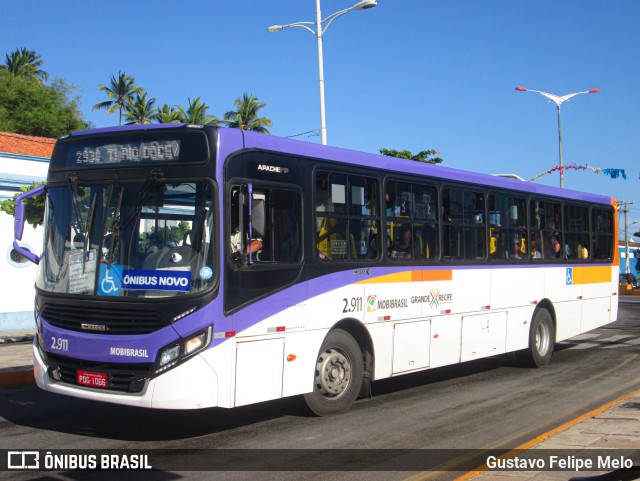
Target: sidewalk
613, 426
16, 358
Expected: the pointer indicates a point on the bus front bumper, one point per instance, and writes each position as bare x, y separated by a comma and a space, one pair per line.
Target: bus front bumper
191, 385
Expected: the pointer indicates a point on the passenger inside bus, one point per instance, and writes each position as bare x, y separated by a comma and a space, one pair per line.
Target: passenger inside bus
494, 242
403, 247
516, 248
334, 242
535, 253
253, 248
554, 252
237, 241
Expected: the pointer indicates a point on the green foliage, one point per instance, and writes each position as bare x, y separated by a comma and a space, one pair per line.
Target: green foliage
246, 115
422, 156
34, 207
28, 107
169, 114
168, 234
141, 110
25, 63
132, 103
120, 92
196, 113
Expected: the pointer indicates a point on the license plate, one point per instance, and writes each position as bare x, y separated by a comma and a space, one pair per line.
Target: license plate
93, 379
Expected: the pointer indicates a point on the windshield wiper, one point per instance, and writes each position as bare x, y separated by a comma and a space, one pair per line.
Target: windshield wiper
72, 183
116, 225
89, 226
146, 192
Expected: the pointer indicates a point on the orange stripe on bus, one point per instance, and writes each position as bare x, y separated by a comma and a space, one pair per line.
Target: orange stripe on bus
616, 252
411, 276
444, 275
591, 274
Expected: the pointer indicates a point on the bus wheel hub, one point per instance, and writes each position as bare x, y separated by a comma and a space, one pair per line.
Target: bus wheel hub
334, 373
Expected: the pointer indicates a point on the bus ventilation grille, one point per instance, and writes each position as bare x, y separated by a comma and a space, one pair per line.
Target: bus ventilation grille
102, 321
126, 378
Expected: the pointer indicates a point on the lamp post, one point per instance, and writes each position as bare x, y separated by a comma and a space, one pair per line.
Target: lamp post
626, 242
321, 27
558, 100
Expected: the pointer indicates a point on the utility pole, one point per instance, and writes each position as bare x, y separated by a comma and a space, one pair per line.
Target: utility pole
625, 210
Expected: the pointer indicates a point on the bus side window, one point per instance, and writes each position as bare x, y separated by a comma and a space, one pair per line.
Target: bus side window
275, 224
334, 241
602, 240
463, 225
576, 227
347, 217
412, 215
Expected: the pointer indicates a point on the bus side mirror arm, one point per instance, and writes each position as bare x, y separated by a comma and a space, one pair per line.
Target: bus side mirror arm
19, 219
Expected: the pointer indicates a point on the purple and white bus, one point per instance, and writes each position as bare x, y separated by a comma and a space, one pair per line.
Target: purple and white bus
188, 267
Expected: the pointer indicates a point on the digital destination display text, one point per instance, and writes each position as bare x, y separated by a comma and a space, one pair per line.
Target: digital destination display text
124, 153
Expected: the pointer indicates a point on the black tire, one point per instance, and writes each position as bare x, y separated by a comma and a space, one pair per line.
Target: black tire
542, 336
338, 374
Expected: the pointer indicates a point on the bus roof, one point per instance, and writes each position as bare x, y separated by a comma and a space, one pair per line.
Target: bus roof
123, 128
368, 160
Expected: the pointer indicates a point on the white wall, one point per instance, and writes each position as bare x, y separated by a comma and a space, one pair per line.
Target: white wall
16, 283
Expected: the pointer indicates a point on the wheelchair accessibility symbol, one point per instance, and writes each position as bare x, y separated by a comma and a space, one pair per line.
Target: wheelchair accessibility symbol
110, 280
569, 276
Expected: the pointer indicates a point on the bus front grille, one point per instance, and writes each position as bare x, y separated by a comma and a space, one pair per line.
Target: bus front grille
126, 378
103, 321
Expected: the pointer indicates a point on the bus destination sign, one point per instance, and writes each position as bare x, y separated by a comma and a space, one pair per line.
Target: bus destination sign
124, 153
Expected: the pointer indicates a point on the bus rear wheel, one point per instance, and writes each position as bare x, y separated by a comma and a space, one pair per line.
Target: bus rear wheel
541, 341
338, 374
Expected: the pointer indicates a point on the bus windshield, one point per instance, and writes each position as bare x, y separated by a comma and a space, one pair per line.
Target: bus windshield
143, 239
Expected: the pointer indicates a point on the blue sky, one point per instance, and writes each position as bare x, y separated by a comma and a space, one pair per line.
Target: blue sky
408, 74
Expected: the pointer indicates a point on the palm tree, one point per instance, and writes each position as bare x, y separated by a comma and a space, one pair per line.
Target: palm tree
141, 110
25, 63
169, 114
246, 117
196, 113
120, 92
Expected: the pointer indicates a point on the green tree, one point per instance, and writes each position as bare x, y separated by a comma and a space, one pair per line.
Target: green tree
196, 113
168, 114
120, 91
246, 116
34, 206
141, 110
422, 156
25, 63
28, 107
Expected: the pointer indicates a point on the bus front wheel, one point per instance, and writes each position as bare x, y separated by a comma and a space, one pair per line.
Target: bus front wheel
541, 340
338, 374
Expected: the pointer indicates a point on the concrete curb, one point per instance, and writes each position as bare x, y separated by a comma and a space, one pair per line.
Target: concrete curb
629, 292
16, 378
15, 353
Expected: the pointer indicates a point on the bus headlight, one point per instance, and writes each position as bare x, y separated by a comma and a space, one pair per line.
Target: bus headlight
195, 343
172, 355
169, 355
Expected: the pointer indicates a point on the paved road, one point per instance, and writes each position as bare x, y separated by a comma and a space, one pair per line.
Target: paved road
491, 403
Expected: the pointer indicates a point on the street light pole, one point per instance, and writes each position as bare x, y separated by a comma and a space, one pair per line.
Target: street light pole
624, 208
558, 100
319, 34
